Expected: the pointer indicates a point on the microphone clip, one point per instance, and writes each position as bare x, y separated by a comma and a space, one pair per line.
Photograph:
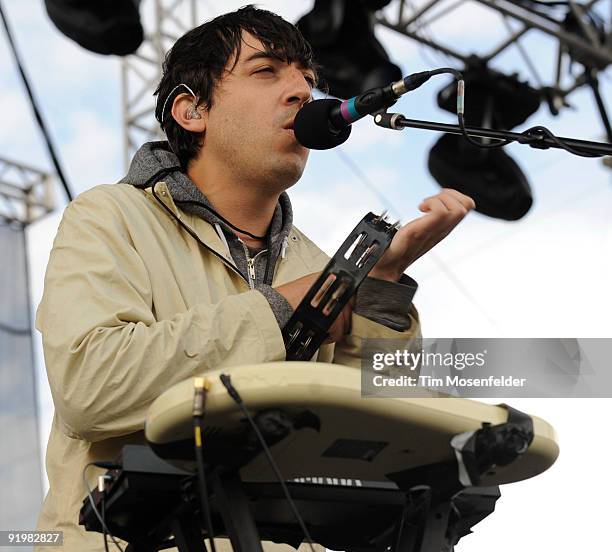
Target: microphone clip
388, 120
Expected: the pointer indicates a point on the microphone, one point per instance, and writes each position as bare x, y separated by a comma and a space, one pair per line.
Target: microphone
325, 124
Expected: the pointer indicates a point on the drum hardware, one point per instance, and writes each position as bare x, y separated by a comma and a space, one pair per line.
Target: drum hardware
153, 506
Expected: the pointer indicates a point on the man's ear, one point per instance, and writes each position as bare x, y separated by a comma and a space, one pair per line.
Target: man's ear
187, 114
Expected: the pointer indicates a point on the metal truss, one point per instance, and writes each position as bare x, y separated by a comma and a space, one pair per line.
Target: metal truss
169, 19
26, 194
520, 17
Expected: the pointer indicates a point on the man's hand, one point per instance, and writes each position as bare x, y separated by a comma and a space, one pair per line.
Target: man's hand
295, 291
443, 212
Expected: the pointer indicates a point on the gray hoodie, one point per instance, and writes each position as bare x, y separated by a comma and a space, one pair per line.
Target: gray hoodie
384, 302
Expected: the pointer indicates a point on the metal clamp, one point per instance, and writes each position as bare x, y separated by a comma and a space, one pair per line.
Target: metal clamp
492, 445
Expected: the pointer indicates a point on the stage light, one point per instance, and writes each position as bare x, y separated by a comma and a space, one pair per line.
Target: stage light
490, 176
104, 26
341, 33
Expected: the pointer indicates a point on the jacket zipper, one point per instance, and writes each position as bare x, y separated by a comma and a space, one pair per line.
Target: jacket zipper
251, 264
251, 269
193, 234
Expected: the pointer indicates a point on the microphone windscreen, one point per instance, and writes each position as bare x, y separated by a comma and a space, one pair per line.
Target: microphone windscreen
313, 129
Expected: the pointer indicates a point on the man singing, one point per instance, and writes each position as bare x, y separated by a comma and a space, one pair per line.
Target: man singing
192, 263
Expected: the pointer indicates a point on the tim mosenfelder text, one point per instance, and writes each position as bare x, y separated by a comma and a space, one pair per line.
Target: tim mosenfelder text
419, 360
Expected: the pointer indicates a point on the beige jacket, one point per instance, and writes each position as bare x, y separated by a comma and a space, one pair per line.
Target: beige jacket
132, 305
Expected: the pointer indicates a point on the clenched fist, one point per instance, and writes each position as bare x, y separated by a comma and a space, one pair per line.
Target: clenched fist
295, 291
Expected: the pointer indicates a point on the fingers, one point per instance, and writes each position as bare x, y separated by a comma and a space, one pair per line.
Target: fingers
443, 212
466, 201
455, 202
416, 229
449, 207
455, 211
443, 206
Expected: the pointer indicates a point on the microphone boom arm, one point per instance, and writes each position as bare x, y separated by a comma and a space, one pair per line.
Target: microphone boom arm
537, 137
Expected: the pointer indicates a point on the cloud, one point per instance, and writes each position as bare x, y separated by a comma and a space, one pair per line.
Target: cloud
327, 209
19, 132
93, 151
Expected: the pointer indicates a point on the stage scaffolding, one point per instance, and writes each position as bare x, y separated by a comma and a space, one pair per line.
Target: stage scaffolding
25, 196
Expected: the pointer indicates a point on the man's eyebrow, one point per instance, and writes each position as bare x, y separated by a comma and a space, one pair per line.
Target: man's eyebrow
264, 55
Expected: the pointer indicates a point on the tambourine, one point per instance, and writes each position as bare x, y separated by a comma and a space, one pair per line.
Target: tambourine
308, 327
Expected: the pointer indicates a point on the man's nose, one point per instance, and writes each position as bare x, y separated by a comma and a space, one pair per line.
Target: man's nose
298, 90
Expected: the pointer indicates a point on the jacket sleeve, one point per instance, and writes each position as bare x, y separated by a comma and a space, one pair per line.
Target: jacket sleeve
107, 355
354, 349
384, 321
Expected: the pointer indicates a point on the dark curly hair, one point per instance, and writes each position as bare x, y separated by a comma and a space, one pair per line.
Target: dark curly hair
199, 58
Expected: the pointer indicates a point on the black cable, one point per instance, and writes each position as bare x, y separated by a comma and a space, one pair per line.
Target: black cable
499, 144
94, 507
104, 526
267, 237
459, 77
540, 131
208, 208
447, 70
400, 530
226, 381
415, 80
177, 168
534, 134
192, 233
37, 114
183, 225
269, 257
159, 174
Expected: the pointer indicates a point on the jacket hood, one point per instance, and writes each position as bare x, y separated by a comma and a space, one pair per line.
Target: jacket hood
153, 157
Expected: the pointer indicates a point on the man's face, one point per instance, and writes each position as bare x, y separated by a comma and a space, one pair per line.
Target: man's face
248, 126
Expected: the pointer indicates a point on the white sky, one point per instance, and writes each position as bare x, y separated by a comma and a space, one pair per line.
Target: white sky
545, 276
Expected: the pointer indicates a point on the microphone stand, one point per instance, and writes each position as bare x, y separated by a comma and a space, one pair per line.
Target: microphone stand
533, 137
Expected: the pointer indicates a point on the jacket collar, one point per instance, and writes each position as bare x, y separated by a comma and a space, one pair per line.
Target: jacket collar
184, 199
